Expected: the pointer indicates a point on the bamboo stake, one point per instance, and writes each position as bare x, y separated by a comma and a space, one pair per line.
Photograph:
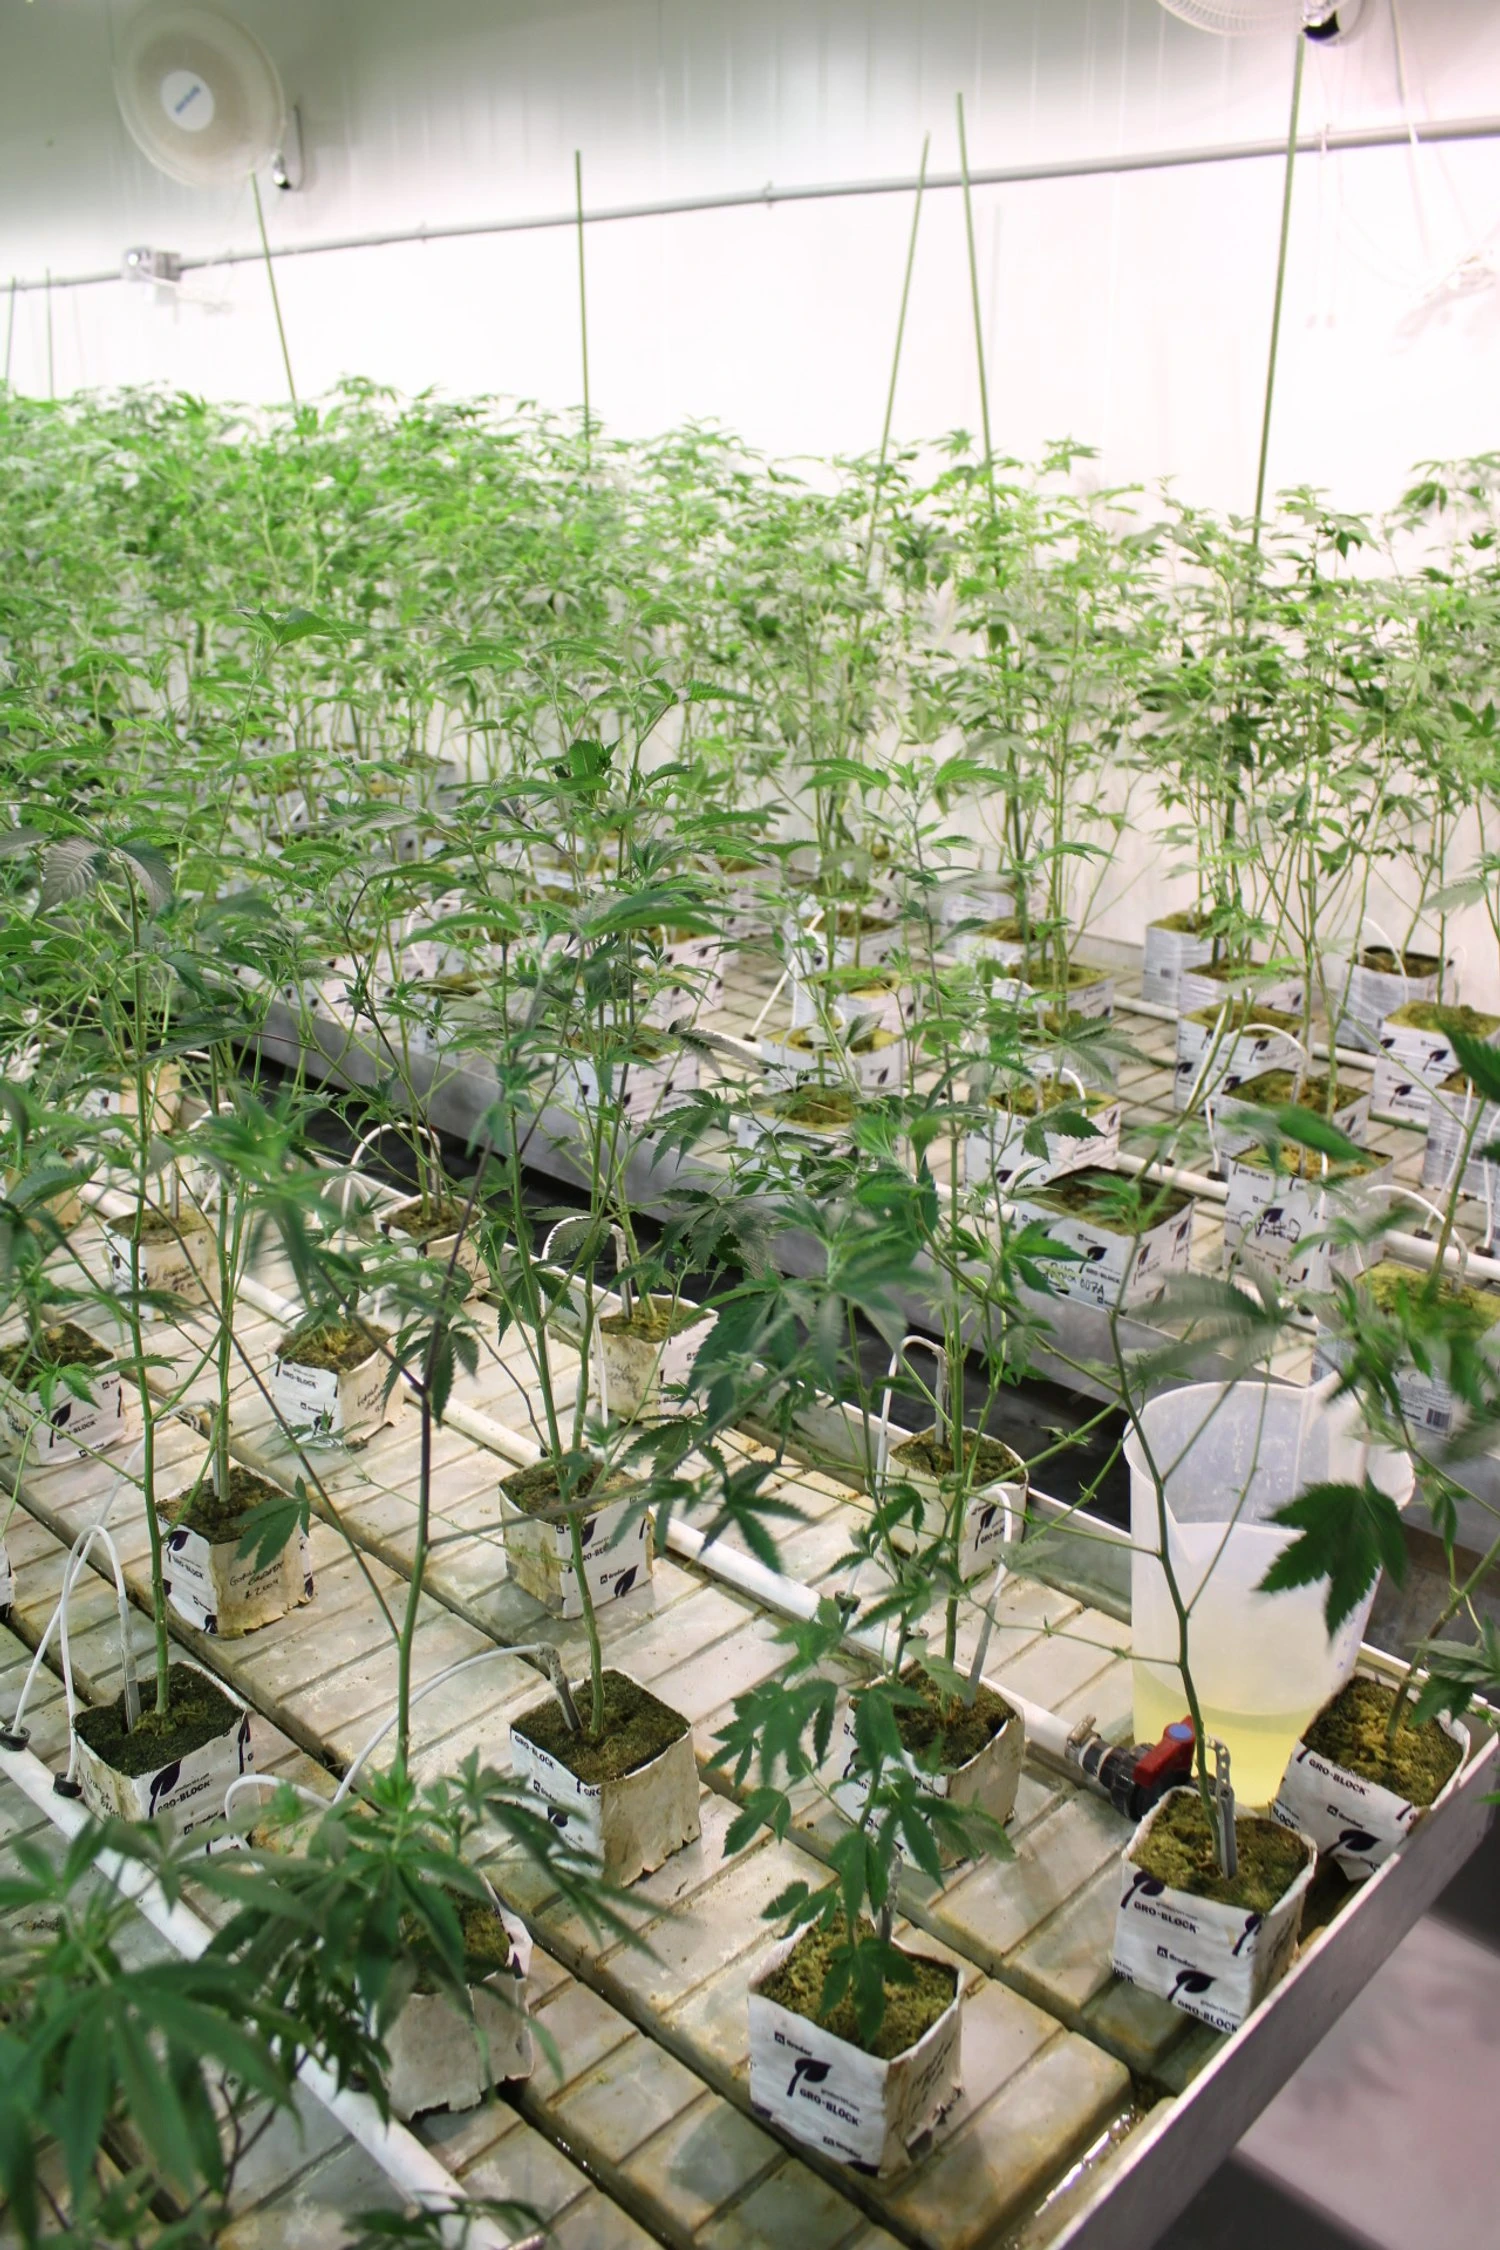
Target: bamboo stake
984, 388
286, 357
51, 380
583, 307
1286, 229
890, 396
10, 329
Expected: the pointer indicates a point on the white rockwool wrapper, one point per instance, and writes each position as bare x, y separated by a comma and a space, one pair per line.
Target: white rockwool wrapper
1374, 994
323, 1402
539, 1556
75, 1425
1410, 1064
1355, 1822
1001, 1159
985, 1513
171, 1264
835, 2097
632, 1823
1279, 1219
983, 1532
7, 1579
1214, 1962
575, 1806
1283, 995
1166, 954
188, 1794
1111, 1268
1236, 1059
989, 1780
1091, 1001
438, 2060
213, 1586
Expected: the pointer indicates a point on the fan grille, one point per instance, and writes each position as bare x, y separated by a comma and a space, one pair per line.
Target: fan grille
200, 95
1238, 19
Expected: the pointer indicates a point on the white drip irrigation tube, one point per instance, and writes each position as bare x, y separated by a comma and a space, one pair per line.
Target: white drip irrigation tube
412, 2169
1044, 1729
1356, 1058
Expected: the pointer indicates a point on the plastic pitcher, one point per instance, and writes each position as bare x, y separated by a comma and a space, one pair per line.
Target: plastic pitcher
1230, 1455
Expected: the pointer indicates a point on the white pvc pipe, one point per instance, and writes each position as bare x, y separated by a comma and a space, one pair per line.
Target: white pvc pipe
1045, 1731
410, 2167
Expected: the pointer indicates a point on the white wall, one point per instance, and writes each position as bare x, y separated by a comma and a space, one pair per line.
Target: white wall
1129, 312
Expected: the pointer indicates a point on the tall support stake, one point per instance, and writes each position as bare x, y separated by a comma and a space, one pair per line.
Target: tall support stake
984, 388
265, 250
890, 395
1286, 231
51, 374
583, 309
10, 329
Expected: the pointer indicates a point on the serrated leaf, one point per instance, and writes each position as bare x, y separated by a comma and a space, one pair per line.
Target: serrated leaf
1480, 1063
1346, 1533
1309, 1130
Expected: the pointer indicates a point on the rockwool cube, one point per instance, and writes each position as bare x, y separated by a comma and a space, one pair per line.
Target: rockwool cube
1113, 1265
834, 2097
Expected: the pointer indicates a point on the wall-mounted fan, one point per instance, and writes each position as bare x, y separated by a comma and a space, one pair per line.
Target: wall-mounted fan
199, 94
1325, 21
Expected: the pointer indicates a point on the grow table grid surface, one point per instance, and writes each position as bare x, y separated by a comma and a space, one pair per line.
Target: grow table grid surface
323, 1674
1048, 2031
458, 1091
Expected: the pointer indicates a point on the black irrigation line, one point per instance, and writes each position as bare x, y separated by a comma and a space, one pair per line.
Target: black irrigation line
1346, 140
1029, 1416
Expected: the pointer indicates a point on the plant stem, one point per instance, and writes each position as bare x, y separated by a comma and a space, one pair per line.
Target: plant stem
133, 1310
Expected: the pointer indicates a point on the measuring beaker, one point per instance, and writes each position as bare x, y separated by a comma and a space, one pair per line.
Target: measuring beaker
1229, 1456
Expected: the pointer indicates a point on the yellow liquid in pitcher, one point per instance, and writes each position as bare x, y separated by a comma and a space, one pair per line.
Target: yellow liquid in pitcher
1259, 1742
